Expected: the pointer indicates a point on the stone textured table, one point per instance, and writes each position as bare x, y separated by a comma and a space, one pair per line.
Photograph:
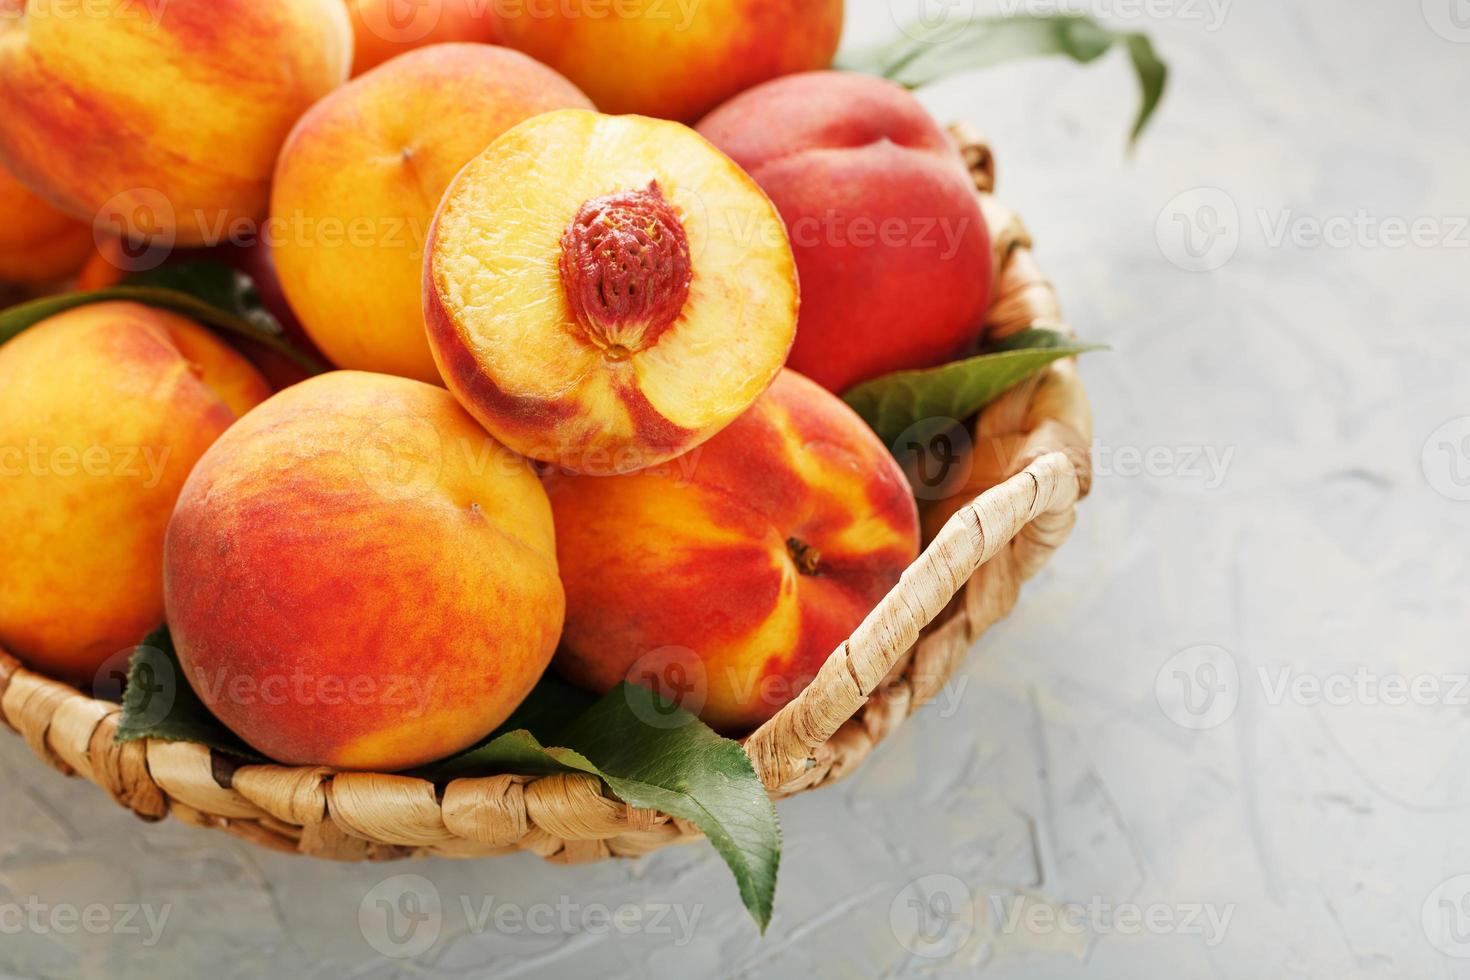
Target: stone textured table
1222, 736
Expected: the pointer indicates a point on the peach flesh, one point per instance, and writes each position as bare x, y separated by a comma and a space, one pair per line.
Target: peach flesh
604, 293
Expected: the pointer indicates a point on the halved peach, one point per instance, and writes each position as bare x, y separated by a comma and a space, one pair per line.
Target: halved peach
606, 293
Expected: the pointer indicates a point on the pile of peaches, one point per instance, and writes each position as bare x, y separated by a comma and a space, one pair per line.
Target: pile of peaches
591, 278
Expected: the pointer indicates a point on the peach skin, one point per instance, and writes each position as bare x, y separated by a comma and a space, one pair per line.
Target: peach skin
161, 121
106, 409
357, 576
383, 29
892, 246
675, 60
38, 244
739, 567
371, 161
605, 293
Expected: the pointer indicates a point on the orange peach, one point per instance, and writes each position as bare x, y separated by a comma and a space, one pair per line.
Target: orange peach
357, 576
730, 574
38, 244
161, 121
360, 177
113, 259
606, 292
673, 58
889, 237
107, 407
383, 29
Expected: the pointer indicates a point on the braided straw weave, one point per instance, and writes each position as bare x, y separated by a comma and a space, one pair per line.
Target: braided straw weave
1028, 468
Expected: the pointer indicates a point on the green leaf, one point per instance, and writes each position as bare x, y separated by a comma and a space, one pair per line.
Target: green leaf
517, 752
923, 56
1035, 338
658, 756
653, 754
159, 703
1153, 76
217, 284
895, 402
209, 292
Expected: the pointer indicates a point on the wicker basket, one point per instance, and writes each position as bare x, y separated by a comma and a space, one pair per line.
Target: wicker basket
1030, 467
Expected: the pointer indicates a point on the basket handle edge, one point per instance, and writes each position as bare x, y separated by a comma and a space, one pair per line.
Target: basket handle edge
781, 749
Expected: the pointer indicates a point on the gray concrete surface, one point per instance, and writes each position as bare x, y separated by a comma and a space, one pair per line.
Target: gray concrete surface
1222, 735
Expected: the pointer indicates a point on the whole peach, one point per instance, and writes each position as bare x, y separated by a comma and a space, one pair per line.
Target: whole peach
359, 180
358, 576
106, 409
891, 245
161, 121
675, 60
734, 571
38, 244
383, 29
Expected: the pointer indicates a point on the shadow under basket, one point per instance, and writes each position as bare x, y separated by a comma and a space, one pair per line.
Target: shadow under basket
1029, 466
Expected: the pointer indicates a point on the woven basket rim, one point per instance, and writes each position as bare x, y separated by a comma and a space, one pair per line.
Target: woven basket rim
968, 577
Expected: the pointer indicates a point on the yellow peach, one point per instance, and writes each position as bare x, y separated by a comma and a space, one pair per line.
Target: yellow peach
106, 409
162, 121
358, 182
38, 244
672, 58
383, 29
357, 576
